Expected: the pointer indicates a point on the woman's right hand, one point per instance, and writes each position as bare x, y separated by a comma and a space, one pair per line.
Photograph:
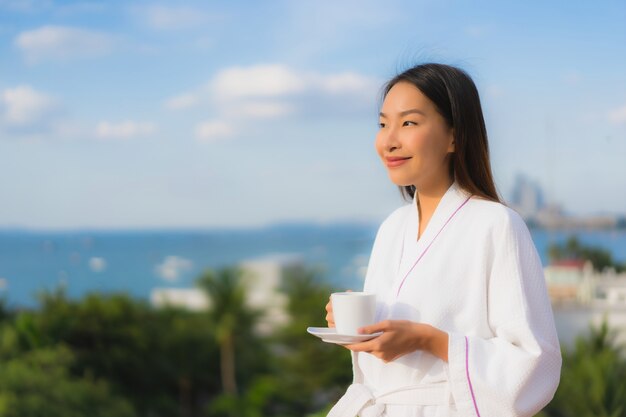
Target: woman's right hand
330, 319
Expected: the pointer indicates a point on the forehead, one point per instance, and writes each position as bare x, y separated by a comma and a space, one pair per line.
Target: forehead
404, 96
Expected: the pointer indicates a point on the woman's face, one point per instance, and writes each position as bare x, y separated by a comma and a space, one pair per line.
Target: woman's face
414, 141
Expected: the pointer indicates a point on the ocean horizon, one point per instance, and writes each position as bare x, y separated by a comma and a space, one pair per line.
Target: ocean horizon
137, 261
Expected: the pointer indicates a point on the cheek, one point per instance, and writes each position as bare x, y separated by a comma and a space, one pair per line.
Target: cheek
432, 145
419, 144
378, 145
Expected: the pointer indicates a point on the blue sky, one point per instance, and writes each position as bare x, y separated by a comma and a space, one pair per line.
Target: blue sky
126, 114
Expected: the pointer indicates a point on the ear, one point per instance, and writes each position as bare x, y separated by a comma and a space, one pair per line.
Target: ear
451, 142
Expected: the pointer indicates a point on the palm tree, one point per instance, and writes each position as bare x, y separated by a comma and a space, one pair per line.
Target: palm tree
231, 315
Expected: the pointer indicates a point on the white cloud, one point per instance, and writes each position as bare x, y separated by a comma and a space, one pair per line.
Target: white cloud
347, 82
172, 267
265, 109
23, 105
257, 81
124, 130
182, 101
236, 94
62, 42
618, 116
213, 130
279, 81
169, 18
265, 90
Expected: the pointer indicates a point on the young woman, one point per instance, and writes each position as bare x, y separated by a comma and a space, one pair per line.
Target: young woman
467, 325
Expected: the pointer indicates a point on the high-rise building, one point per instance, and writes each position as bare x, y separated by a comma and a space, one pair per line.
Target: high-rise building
527, 196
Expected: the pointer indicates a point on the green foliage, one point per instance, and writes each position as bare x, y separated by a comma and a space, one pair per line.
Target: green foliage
253, 402
242, 354
37, 383
113, 355
312, 374
573, 249
593, 379
5, 314
303, 374
164, 361
28, 335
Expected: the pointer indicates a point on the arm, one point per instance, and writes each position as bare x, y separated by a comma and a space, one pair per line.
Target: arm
516, 372
401, 337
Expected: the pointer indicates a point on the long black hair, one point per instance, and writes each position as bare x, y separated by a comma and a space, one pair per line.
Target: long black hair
456, 98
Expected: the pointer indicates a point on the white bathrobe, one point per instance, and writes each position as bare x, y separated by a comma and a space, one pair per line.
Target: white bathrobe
475, 274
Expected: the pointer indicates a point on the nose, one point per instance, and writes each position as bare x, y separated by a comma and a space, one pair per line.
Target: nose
388, 139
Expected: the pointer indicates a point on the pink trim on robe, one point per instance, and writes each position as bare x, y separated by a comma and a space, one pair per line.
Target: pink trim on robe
469, 381
430, 244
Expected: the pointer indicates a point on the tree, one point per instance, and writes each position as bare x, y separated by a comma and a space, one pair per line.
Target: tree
573, 249
38, 383
312, 374
5, 314
233, 319
593, 378
164, 360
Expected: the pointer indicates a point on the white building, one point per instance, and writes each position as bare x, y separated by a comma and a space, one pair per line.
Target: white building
189, 298
262, 278
582, 298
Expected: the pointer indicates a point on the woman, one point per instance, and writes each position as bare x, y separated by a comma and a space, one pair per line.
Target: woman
467, 324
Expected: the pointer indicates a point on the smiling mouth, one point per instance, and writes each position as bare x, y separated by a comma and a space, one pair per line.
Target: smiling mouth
395, 161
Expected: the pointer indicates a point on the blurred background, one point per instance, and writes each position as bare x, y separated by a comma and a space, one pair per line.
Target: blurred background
168, 169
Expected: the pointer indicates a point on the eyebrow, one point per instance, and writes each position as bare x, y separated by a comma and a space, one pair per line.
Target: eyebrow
405, 113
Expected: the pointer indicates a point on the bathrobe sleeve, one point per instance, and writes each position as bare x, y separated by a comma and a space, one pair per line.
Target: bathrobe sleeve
516, 370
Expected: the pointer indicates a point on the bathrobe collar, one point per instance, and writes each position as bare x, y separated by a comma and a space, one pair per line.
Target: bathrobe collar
412, 248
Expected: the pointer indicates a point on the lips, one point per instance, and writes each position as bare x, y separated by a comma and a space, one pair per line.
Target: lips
395, 161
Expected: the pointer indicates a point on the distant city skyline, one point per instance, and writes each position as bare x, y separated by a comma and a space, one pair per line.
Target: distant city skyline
241, 114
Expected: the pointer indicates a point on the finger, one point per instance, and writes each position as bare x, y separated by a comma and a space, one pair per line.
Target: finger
376, 327
361, 347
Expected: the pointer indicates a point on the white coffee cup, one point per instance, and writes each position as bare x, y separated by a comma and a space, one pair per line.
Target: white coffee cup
353, 310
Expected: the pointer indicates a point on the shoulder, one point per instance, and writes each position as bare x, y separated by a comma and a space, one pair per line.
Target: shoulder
396, 220
393, 223
495, 215
397, 216
499, 224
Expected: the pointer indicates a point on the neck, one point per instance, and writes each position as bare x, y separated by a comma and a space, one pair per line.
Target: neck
427, 200
428, 197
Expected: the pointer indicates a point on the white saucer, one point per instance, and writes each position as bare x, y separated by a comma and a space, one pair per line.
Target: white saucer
329, 335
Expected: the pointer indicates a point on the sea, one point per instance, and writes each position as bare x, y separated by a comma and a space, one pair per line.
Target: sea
138, 261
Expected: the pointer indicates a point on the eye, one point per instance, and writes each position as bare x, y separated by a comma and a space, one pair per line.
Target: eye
381, 125
409, 123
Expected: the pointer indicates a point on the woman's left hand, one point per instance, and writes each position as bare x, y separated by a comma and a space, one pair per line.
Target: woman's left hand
401, 337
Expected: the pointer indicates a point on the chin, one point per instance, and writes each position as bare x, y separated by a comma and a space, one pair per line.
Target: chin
400, 182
